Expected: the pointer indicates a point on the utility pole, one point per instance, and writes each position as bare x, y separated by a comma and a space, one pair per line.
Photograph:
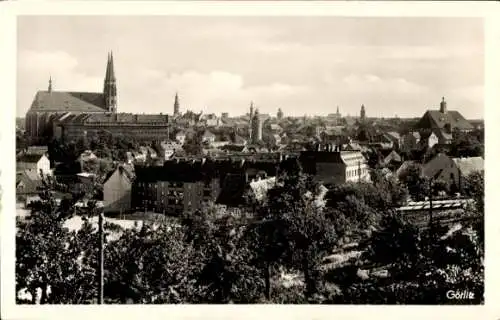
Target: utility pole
431, 223
101, 257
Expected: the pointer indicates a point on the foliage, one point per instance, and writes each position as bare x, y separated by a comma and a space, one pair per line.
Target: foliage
418, 185
423, 264
215, 256
194, 145
473, 187
42, 256
303, 232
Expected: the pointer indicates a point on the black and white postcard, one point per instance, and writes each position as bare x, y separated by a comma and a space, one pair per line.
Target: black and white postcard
289, 159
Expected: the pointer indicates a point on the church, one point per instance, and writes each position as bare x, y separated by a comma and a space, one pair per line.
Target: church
51, 105
444, 122
71, 115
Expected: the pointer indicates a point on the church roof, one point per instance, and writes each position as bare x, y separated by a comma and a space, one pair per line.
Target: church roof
434, 119
64, 101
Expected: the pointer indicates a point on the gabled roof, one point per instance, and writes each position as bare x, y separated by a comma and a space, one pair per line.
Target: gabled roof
404, 166
469, 165
29, 158
29, 178
124, 169
64, 101
434, 119
433, 167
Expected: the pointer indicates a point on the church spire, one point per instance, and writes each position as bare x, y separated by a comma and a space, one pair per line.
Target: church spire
176, 104
50, 84
110, 85
363, 113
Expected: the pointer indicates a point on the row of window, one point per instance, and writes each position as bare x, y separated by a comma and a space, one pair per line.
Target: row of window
356, 172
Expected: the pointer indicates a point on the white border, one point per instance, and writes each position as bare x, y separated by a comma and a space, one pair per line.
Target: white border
8, 46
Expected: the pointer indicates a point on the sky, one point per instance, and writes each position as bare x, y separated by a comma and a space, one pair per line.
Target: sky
303, 65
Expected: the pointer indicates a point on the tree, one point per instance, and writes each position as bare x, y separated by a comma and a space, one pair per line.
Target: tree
423, 266
194, 145
418, 185
302, 226
42, 259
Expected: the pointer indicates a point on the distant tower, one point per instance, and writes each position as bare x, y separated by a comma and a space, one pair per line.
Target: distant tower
176, 105
250, 123
50, 84
279, 115
109, 91
442, 108
338, 112
362, 113
256, 127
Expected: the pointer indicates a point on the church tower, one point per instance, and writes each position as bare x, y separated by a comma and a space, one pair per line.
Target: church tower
109, 91
50, 85
442, 107
256, 127
279, 115
250, 123
362, 113
176, 105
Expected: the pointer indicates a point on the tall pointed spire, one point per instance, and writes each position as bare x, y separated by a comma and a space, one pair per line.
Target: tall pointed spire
110, 85
176, 104
50, 84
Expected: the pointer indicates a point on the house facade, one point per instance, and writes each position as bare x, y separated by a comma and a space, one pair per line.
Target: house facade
117, 190
37, 163
331, 166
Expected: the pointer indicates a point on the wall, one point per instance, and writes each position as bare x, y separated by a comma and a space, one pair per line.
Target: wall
117, 193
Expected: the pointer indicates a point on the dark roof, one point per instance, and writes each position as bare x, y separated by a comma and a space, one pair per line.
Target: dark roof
118, 117
172, 171
30, 179
434, 119
320, 156
433, 167
126, 170
29, 158
68, 101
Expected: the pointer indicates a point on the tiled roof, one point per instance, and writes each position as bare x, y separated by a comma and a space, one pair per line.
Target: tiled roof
161, 118
68, 101
469, 165
434, 119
